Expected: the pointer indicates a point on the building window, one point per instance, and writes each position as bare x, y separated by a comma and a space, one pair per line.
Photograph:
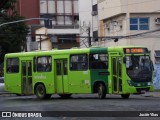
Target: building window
94, 7
12, 65
94, 10
79, 62
139, 23
157, 56
95, 35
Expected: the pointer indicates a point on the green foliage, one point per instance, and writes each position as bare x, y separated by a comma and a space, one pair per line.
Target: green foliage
12, 36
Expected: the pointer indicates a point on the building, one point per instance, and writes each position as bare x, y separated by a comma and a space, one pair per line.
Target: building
63, 29
63, 15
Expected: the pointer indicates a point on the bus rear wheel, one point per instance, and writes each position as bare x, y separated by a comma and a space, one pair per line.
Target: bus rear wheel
125, 96
41, 92
101, 91
65, 95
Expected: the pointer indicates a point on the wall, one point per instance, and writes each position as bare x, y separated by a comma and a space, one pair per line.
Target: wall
110, 8
29, 9
156, 81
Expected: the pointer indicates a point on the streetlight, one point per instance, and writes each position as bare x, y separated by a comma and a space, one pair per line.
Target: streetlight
23, 21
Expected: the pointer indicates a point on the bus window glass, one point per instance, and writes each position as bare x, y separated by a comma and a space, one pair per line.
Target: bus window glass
35, 64
24, 68
79, 62
44, 64
120, 67
98, 61
114, 66
29, 69
58, 65
65, 67
139, 68
12, 65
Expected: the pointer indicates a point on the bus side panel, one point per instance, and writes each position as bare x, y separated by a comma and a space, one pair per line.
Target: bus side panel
79, 82
13, 83
99, 76
12, 80
45, 78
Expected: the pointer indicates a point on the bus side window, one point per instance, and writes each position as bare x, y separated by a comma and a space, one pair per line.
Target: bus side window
35, 64
12, 65
44, 64
98, 61
79, 62
40, 67
48, 67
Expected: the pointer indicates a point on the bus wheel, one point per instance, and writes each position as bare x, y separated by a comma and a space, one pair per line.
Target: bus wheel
101, 91
65, 95
125, 96
40, 91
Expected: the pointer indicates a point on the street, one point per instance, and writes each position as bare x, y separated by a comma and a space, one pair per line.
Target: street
81, 102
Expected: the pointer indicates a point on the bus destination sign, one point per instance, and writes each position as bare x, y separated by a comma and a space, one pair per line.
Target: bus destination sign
135, 50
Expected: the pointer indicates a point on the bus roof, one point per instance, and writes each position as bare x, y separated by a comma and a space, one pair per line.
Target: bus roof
71, 51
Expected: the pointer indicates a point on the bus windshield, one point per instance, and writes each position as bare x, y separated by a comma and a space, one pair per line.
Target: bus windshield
139, 68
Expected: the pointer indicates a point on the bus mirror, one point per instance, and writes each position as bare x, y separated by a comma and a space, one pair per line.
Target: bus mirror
124, 59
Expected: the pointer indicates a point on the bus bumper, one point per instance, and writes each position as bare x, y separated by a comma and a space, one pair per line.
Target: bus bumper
138, 90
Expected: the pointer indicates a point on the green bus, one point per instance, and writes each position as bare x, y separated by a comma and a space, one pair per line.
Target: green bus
122, 70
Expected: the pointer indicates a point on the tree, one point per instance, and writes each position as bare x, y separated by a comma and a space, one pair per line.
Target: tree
12, 36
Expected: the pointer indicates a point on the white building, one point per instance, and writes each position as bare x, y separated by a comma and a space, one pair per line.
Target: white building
65, 17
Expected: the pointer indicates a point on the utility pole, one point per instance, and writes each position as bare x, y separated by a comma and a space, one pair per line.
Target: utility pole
40, 42
89, 36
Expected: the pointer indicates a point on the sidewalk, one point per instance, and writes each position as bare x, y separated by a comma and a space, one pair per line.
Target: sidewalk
152, 94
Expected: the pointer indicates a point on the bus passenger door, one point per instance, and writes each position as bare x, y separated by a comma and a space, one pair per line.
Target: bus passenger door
61, 76
26, 77
117, 74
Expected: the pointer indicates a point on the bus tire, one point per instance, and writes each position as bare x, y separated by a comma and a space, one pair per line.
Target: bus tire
101, 91
65, 95
41, 91
125, 96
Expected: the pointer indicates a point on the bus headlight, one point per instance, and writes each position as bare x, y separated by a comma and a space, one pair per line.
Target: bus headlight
149, 83
129, 82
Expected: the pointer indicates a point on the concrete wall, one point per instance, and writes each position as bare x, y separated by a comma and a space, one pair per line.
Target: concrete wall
110, 8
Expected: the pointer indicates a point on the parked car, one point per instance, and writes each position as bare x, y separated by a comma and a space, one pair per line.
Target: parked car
1, 84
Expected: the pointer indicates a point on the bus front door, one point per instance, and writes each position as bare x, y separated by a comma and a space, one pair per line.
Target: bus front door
117, 74
26, 77
61, 80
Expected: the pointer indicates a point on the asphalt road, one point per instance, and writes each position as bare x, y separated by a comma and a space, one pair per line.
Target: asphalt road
83, 103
